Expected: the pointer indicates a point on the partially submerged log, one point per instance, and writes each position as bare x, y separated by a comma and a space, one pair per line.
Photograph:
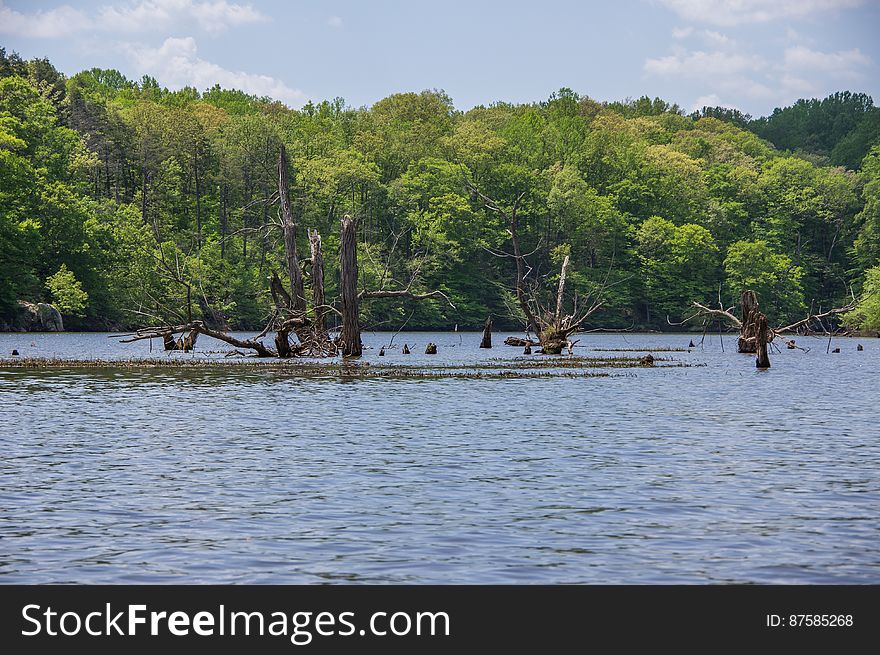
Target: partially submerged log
198, 327
517, 341
487, 334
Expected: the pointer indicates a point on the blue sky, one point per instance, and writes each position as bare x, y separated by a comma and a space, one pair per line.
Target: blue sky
750, 54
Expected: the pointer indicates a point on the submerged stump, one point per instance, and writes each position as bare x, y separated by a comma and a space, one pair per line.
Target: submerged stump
762, 338
487, 334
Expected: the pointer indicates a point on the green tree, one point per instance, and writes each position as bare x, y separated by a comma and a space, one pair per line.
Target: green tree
772, 276
67, 292
866, 315
679, 266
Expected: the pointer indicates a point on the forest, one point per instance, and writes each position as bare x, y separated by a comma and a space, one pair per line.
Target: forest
125, 204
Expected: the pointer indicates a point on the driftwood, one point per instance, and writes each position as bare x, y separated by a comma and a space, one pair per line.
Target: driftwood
517, 341
198, 327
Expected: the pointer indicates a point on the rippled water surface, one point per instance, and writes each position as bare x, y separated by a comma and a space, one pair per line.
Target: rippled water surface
714, 473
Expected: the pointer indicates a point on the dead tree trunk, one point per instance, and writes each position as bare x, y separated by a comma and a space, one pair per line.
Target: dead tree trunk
184, 343
762, 338
350, 336
282, 342
288, 227
552, 327
554, 336
748, 331
487, 334
318, 299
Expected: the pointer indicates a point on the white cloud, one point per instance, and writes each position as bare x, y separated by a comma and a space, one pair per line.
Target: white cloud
710, 38
176, 64
717, 39
48, 24
738, 12
702, 64
844, 63
334, 21
213, 16
711, 100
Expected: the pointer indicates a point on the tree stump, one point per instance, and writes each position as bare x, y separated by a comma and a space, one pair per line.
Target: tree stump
431, 349
762, 338
747, 336
860, 347
528, 349
350, 335
405, 350
487, 334
168, 341
382, 351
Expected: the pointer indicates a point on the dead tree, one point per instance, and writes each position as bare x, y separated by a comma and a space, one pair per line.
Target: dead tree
553, 327
749, 340
319, 302
487, 334
290, 312
762, 338
198, 327
350, 336
288, 228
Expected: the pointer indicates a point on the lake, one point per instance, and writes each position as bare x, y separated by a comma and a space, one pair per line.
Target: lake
706, 473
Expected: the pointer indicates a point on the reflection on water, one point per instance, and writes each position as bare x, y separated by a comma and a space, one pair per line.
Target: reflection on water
706, 474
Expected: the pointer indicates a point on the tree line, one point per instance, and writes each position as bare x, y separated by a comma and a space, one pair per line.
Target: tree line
127, 204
